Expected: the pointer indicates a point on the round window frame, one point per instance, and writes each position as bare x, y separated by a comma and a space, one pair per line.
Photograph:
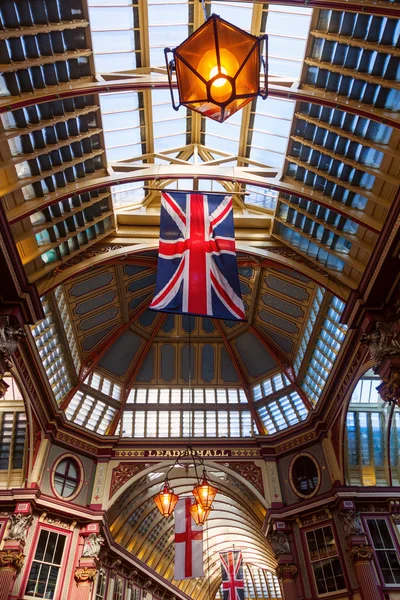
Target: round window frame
80, 476
292, 485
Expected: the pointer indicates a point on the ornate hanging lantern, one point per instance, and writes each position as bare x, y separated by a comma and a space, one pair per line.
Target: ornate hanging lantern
205, 493
199, 514
166, 500
218, 69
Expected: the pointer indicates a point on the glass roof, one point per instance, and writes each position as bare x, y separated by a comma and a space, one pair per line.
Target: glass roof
318, 161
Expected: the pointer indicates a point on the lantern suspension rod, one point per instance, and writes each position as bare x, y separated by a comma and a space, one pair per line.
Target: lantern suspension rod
204, 9
152, 189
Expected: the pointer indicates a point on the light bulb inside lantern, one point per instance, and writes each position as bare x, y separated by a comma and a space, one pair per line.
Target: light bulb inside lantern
221, 80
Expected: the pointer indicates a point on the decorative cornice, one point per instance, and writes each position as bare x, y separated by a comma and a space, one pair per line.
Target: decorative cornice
11, 558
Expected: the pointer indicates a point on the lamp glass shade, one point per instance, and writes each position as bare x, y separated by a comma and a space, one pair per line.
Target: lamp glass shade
166, 500
199, 514
218, 69
205, 493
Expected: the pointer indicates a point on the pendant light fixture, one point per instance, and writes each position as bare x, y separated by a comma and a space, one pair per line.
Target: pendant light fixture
204, 492
166, 499
218, 69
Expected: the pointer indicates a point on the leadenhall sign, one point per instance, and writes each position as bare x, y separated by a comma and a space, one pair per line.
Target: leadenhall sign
213, 453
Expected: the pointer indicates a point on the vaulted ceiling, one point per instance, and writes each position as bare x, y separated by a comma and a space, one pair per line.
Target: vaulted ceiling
88, 138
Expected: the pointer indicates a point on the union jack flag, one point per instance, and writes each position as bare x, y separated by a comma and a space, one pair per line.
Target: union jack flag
197, 271
232, 575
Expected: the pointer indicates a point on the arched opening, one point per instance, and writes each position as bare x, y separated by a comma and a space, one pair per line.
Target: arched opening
372, 436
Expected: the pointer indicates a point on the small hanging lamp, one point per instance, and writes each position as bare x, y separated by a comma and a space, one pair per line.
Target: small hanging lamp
166, 500
199, 514
204, 493
218, 69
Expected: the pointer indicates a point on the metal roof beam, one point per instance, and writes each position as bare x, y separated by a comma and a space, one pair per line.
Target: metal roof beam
174, 172
153, 82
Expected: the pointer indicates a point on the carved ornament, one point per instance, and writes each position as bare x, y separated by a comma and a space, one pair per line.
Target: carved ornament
286, 571
84, 574
92, 546
352, 523
11, 558
362, 552
3, 387
19, 525
10, 336
383, 342
279, 543
85, 255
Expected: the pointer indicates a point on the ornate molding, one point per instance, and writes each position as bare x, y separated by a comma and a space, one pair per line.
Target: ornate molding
85, 255
307, 437
11, 558
122, 473
85, 574
249, 471
287, 571
361, 552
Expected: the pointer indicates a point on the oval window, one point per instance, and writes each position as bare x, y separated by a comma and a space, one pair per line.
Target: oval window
305, 475
66, 477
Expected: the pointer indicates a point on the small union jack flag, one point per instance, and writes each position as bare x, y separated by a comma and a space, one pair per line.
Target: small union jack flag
197, 270
232, 575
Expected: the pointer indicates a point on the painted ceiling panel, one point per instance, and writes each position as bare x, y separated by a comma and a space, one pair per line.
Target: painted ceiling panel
137, 300
92, 340
99, 300
98, 319
282, 305
284, 287
120, 355
90, 284
279, 322
146, 373
228, 372
254, 355
285, 343
207, 363
142, 283
168, 358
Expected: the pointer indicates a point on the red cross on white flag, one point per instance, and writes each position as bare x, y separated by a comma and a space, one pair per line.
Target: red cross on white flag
188, 542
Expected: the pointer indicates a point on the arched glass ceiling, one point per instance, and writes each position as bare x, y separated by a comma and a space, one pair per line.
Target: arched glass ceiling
136, 524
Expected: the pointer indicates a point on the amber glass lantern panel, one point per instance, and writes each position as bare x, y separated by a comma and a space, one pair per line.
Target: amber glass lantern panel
218, 69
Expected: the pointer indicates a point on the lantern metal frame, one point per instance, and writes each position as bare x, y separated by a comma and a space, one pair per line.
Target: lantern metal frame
185, 457
263, 56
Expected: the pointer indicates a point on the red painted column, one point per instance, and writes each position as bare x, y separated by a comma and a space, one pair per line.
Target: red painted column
84, 576
286, 574
11, 560
361, 555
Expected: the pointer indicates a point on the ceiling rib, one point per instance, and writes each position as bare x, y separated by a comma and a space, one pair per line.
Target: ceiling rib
145, 82
163, 172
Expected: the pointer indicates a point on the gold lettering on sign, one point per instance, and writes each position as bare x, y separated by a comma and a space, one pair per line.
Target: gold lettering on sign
206, 453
